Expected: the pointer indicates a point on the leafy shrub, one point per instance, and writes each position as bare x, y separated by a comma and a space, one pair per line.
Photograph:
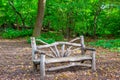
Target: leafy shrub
114, 45
52, 35
12, 33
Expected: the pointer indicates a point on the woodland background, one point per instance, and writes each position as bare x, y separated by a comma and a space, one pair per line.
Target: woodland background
66, 18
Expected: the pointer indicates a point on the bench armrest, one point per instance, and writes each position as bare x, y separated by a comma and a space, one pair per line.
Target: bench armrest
91, 49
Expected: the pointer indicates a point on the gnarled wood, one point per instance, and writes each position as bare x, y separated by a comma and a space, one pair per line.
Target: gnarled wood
82, 45
67, 51
56, 55
59, 43
57, 52
93, 61
42, 66
67, 66
78, 38
63, 50
67, 59
34, 48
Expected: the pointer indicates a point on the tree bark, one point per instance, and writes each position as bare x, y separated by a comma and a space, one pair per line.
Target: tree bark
95, 21
39, 19
95, 26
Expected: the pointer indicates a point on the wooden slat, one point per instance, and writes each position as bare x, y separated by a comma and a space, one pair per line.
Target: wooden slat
67, 66
41, 41
54, 53
64, 59
75, 39
67, 59
57, 51
49, 55
72, 51
67, 51
58, 43
63, 50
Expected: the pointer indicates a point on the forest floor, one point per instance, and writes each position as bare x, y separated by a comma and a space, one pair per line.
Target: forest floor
16, 64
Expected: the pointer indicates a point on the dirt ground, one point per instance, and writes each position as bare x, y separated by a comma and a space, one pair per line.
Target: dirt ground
16, 64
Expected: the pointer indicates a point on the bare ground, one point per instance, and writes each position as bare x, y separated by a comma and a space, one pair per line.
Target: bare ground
16, 64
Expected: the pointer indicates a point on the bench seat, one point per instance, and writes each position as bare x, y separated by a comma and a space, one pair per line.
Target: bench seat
65, 59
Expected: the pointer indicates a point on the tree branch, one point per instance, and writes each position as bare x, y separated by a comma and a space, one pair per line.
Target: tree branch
15, 10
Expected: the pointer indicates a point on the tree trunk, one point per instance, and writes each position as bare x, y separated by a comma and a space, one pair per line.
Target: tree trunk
95, 26
39, 19
95, 21
70, 24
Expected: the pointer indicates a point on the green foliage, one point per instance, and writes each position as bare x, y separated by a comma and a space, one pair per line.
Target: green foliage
114, 44
54, 35
77, 15
22, 11
49, 37
12, 33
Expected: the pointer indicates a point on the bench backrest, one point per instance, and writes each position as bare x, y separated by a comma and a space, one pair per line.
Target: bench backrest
57, 49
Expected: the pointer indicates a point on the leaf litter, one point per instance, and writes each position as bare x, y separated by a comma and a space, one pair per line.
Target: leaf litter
16, 64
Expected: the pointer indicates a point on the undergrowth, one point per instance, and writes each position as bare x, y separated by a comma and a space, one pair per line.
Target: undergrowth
113, 44
49, 37
12, 33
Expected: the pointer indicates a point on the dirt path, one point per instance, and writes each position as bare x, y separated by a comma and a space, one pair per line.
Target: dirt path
15, 64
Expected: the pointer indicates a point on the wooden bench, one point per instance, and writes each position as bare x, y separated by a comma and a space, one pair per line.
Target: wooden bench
71, 52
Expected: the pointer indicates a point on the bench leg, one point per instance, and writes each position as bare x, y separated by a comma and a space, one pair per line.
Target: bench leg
42, 67
34, 67
93, 61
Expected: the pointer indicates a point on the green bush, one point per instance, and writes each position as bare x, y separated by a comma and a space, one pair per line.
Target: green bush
114, 44
52, 35
12, 33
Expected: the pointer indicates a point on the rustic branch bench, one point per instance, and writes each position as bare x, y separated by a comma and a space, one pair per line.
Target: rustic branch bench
70, 52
